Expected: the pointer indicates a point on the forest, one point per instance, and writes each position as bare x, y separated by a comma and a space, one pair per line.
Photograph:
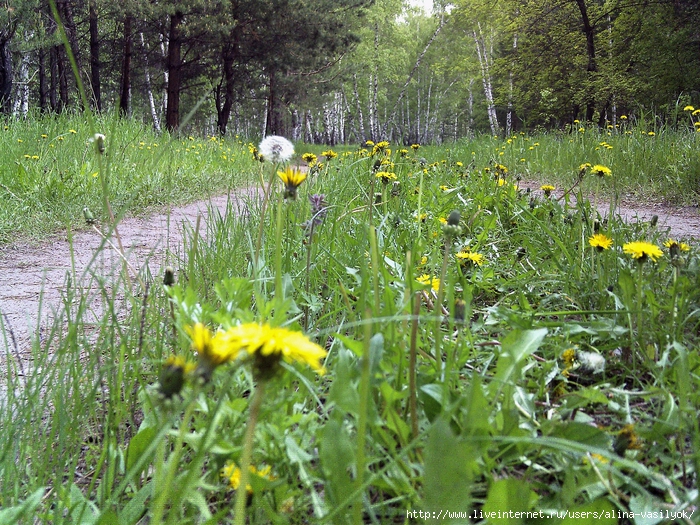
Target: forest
347, 71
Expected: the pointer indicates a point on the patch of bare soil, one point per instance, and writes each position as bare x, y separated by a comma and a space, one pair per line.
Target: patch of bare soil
35, 281
682, 222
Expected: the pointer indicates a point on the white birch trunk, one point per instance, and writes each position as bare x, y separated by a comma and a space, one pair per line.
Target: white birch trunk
21, 104
484, 54
149, 88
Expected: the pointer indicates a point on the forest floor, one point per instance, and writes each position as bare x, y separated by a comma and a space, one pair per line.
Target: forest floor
36, 280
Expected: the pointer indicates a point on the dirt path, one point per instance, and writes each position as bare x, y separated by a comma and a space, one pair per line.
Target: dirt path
33, 279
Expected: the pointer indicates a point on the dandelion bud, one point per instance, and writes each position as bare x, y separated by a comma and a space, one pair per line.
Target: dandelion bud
452, 227
453, 218
460, 311
654, 221
169, 276
172, 376
99, 140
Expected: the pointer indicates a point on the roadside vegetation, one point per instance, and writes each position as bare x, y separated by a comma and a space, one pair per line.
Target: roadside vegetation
391, 331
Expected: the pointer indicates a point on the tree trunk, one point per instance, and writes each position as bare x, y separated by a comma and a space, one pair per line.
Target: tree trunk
485, 63
21, 102
95, 56
174, 68
125, 91
63, 7
592, 66
223, 111
42, 79
5, 75
149, 86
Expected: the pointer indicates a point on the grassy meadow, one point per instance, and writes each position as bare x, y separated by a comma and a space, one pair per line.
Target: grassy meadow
399, 335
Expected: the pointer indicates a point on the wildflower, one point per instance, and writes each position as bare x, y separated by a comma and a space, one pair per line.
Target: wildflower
292, 179
651, 133
99, 140
319, 210
626, 439
403, 152
583, 167
689, 108
386, 176
369, 143
232, 474
568, 357
254, 152
601, 171
547, 189
501, 182
276, 149
173, 374
209, 348
422, 217
591, 362
675, 248
696, 112
309, 158
623, 117
641, 251
600, 242
44, 136
330, 154
426, 279
72, 131
414, 147
267, 346
380, 147
467, 257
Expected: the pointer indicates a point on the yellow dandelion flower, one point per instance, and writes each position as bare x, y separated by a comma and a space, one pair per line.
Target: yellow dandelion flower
501, 182
696, 112
600, 242
426, 279
72, 131
232, 474
689, 108
330, 154
386, 176
641, 251
601, 171
651, 133
209, 347
623, 117
675, 248
467, 257
547, 189
292, 179
414, 147
267, 345
309, 158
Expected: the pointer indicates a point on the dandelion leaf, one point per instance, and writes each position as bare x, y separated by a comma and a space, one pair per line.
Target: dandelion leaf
507, 495
447, 476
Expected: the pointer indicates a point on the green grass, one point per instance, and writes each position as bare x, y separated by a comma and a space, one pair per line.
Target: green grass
480, 409
51, 171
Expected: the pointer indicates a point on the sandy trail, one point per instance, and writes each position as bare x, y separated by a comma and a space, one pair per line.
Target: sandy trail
34, 279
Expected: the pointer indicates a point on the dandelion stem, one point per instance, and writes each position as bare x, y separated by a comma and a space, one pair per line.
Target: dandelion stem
362, 419
279, 293
247, 453
413, 403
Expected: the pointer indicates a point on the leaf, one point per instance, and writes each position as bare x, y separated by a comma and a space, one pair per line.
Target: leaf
26, 508
582, 433
517, 346
505, 498
132, 511
447, 478
337, 461
138, 445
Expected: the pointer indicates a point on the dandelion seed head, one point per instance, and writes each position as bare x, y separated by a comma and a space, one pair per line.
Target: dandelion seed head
274, 148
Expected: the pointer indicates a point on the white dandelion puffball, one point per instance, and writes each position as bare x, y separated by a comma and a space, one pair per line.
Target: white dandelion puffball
276, 149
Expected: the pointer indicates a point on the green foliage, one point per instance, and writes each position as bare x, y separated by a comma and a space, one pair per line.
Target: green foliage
546, 376
53, 173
